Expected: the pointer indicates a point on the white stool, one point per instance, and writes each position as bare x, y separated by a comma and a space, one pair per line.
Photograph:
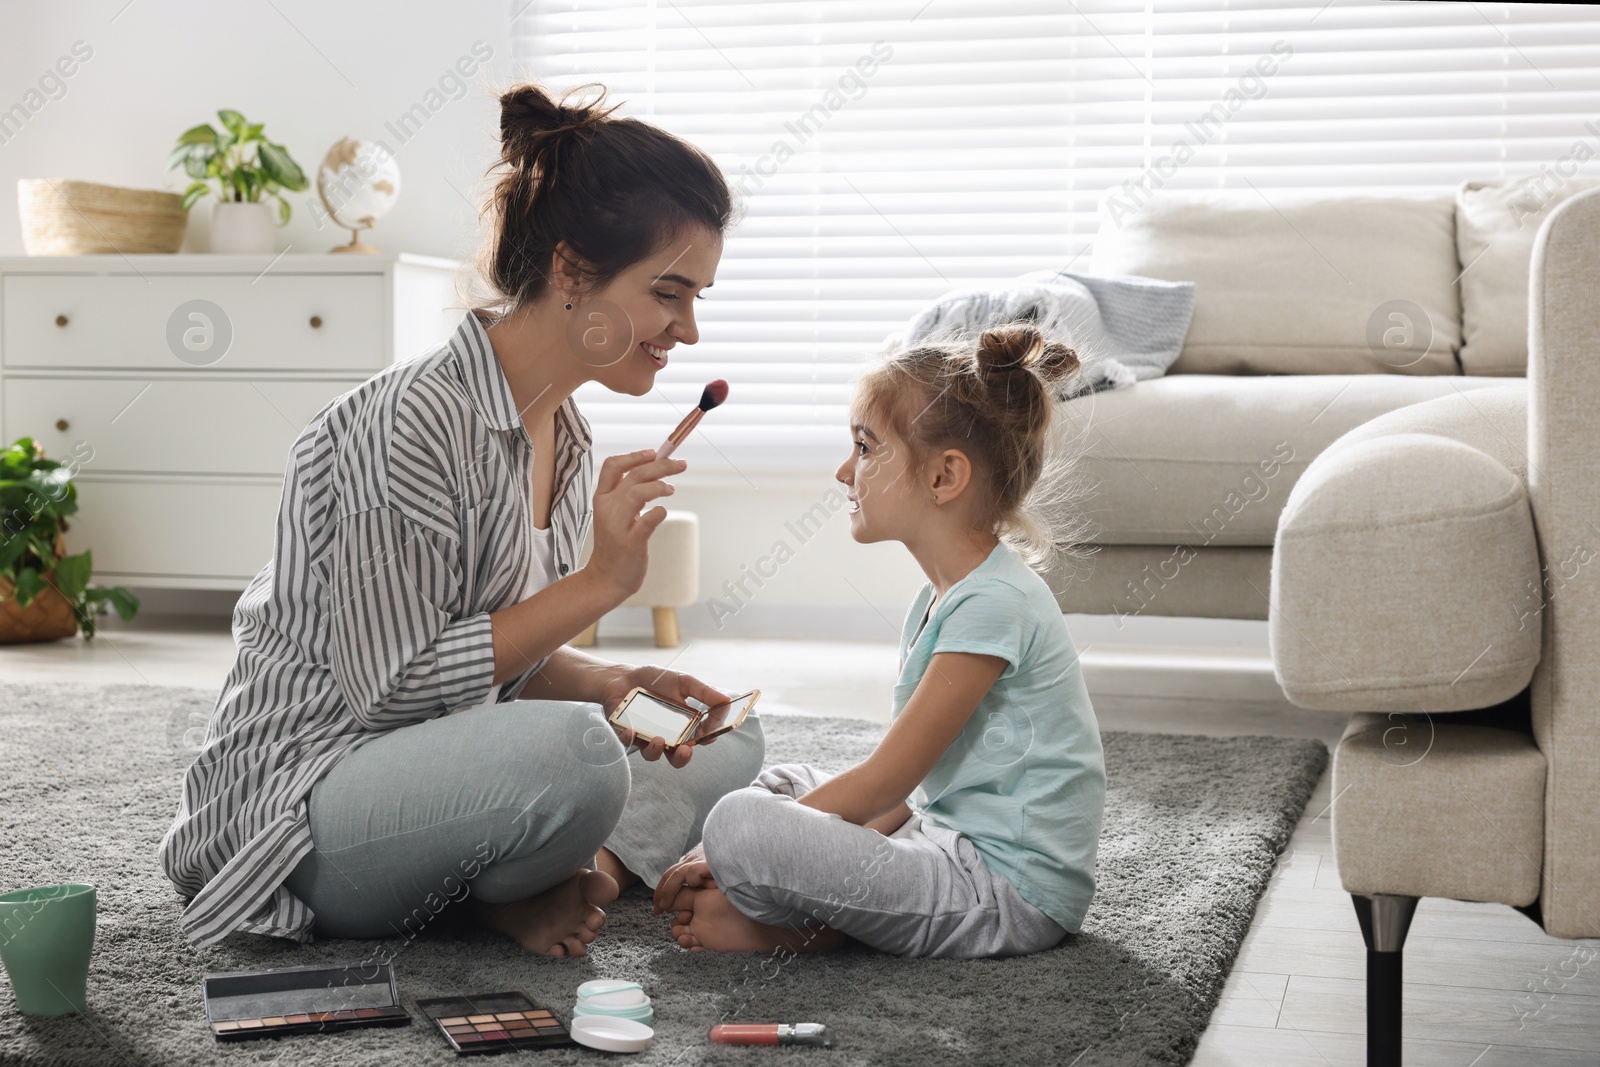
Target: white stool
672, 580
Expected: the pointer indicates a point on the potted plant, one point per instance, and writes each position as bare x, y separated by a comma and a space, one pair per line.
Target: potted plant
44, 593
245, 167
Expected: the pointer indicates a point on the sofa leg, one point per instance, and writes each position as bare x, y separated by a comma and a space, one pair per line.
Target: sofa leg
1384, 920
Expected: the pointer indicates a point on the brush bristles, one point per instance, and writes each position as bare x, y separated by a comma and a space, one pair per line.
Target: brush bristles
713, 394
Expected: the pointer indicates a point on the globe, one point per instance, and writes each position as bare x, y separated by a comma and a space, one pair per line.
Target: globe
357, 182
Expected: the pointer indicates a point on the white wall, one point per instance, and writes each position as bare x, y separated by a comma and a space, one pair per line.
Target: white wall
315, 72
780, 562
318, 72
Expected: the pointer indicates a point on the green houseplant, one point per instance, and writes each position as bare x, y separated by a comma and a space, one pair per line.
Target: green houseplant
36, 496
242, 163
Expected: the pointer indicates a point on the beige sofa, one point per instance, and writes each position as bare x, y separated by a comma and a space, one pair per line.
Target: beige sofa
1383, 436
1437, 571
1314, 314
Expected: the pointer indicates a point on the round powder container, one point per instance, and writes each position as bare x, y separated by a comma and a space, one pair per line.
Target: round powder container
603, 998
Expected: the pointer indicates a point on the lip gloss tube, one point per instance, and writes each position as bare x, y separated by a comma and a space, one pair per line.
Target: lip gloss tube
815, 1034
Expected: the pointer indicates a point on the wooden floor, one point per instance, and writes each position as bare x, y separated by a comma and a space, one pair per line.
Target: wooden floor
1484, 986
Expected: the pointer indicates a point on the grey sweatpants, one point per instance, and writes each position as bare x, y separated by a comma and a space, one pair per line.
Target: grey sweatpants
923, 890
499, 803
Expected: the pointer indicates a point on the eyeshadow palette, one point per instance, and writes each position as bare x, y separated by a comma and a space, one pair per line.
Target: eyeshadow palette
493, 1021
301, 1000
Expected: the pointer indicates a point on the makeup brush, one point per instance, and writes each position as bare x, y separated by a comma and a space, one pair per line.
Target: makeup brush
712, 395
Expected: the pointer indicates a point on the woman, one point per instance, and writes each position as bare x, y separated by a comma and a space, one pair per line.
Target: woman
404, 725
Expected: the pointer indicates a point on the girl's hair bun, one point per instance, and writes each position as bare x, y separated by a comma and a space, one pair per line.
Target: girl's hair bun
1010, 349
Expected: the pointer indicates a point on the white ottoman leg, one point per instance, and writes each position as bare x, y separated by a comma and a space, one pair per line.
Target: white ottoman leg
666, 624
671, 581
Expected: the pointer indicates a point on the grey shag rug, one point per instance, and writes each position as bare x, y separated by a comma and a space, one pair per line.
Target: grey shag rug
1193, 826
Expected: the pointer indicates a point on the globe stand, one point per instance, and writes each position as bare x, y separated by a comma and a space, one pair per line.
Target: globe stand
357, 245
357, 182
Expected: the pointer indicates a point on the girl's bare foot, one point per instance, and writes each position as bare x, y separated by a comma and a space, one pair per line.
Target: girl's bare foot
561, 921
708, 921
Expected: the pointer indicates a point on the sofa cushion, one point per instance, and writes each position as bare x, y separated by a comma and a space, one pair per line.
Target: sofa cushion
1203, 459
1496, 222
1217, 582
1295, 282
1426, 808
1405, 576
1494, 420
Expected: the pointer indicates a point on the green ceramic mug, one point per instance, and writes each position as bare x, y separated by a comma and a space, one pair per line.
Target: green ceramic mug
46, 935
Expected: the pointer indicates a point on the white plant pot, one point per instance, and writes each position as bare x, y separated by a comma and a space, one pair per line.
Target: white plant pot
242, 227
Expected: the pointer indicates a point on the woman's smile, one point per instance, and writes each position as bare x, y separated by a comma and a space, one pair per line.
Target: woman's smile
658, 356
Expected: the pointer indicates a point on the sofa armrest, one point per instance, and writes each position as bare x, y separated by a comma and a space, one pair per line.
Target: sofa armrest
1428, 808
1563, 487
1399, 576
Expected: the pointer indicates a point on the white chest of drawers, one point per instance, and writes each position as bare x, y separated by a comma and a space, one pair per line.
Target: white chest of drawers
179, 383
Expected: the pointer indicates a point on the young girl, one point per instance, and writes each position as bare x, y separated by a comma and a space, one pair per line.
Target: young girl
971, 829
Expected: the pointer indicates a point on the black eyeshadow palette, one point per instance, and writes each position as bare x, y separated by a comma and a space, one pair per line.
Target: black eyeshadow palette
491, 1022
301, 1000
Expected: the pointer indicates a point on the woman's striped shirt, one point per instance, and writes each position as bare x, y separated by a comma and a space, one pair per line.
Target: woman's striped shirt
405, 520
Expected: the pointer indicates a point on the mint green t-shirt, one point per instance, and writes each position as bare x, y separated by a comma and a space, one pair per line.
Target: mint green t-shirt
1025, 779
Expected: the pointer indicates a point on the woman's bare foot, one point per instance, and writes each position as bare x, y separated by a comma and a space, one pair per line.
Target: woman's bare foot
708, 921
606, 860
561, 921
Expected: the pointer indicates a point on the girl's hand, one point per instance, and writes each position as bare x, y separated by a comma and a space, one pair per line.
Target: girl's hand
691, 872
621, 535
673, 685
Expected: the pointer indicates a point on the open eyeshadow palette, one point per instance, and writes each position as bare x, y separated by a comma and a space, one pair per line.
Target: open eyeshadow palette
301, 1000
494, 1021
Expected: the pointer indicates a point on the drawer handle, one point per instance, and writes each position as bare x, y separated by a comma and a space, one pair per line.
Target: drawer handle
316, 322
61, 424
61, 320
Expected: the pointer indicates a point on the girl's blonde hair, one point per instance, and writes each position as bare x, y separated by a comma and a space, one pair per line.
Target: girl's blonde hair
994, 398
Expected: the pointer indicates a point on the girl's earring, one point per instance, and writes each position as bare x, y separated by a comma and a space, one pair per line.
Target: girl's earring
568, 305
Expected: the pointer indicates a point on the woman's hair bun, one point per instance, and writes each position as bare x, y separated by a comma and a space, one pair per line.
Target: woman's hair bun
1012, 348
531, 119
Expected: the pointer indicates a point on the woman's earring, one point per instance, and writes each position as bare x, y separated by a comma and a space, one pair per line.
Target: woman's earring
568, 305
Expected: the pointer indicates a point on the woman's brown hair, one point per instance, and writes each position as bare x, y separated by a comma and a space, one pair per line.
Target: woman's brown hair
615, 189
994, 398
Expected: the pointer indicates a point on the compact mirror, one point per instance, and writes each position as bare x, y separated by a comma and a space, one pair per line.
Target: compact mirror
650, 716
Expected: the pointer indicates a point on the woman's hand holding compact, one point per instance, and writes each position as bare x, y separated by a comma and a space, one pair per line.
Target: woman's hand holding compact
674, 685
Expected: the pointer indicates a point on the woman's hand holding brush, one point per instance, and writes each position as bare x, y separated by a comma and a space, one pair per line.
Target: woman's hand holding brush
621, 534
625, 484
616, 567
614, 571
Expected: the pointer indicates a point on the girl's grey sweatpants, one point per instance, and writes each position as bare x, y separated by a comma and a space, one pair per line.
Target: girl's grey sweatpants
923, 890
499, 803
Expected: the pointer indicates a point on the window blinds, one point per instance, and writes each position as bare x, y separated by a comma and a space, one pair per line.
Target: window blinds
888, 152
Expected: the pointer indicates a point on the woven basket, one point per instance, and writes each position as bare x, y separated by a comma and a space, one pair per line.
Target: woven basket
61, 217
48, 616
